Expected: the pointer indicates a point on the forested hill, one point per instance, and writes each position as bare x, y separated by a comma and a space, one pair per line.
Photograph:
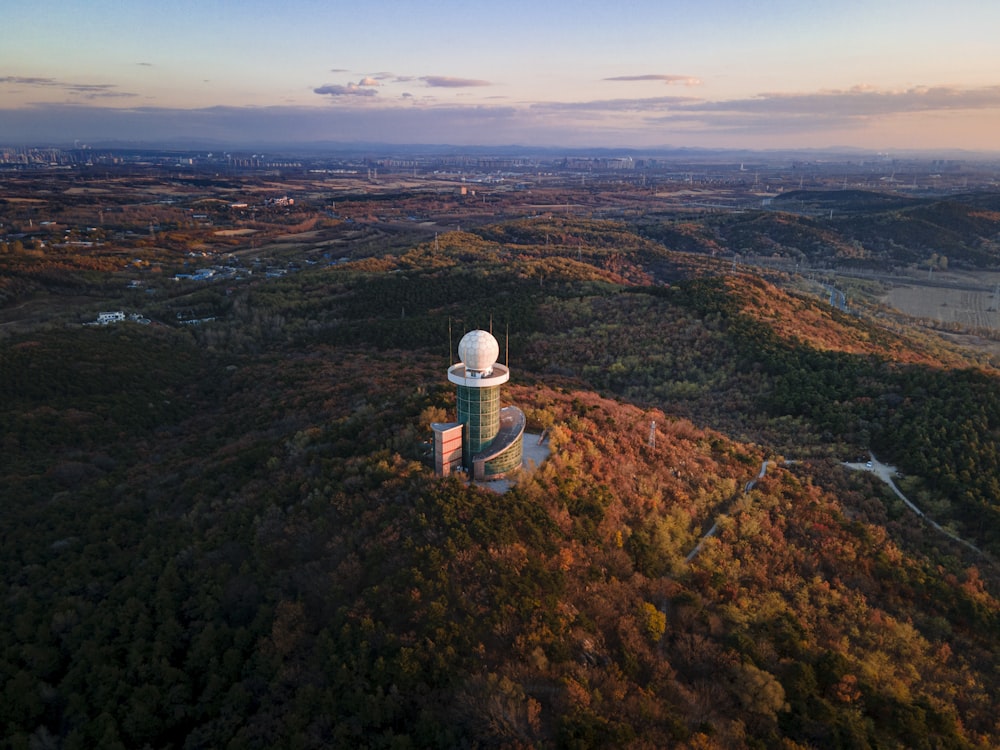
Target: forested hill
852, 228
229, 536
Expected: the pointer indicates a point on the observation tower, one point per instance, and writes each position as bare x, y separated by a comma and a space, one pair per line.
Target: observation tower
486, 440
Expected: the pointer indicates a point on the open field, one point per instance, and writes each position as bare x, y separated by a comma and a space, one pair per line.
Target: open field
968, 300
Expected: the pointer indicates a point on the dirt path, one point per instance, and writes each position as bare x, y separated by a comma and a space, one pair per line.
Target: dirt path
715, 526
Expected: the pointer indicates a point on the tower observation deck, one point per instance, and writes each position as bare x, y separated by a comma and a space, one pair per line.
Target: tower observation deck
491, 437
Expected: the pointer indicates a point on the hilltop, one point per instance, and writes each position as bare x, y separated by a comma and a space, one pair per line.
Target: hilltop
228, 534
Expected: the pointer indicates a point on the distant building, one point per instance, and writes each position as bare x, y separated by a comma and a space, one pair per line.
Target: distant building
107, 318
486, 440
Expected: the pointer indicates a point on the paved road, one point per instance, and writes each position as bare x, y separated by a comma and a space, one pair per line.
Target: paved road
886, 473
883, 471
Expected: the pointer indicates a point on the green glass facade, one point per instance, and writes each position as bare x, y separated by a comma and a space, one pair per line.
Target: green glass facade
479, 411
507, 461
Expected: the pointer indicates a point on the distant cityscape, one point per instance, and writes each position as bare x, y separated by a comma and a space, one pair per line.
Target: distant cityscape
758, 171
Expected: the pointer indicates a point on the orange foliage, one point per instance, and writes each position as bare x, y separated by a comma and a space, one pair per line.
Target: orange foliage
819, 325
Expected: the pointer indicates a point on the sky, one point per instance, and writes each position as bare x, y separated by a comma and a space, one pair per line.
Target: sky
879, 75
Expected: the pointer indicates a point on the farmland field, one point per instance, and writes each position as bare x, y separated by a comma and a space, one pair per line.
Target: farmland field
967, 300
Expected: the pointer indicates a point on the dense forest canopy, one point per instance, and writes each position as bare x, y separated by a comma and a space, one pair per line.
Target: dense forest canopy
229, 535
846, 227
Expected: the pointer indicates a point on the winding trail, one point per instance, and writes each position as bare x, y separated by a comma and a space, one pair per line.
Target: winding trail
886, 473
715, 526
883, 471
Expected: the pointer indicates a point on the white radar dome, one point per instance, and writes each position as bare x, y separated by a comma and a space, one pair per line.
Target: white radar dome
478, 351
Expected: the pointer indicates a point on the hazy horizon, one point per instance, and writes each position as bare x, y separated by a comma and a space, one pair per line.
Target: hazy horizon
882, 76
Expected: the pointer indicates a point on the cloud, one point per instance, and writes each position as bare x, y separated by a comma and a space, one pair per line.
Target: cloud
102, 94
653, 104
86, 90
351, 89
770, 119
96, 91
364, 88
776, 114
113, 95
799, 113
668, 79
822, 111
864, 101
339, 70
28, 81
267, 125
842, 108
448, 82
145, 64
